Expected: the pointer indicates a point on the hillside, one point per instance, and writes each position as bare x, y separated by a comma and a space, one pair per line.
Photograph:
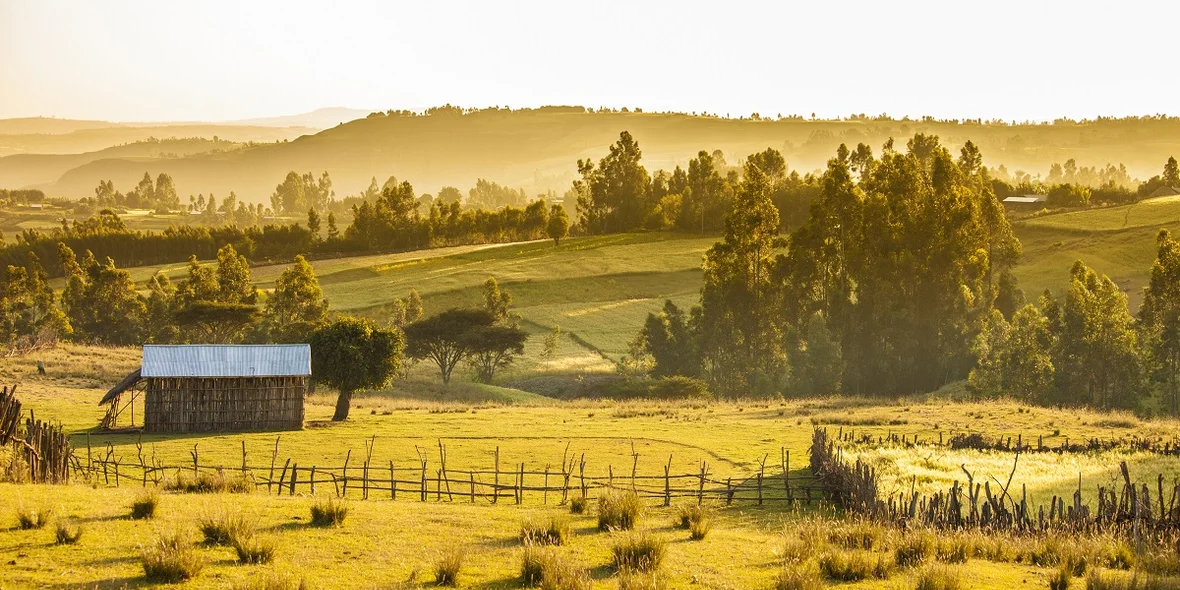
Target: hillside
69, 137
538, 149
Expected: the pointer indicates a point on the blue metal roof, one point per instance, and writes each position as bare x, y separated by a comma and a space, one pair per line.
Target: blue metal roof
225, 360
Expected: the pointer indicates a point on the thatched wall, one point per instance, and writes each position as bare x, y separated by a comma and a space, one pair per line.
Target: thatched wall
223, 404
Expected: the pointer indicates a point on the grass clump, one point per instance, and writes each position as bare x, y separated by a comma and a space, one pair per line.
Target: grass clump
28, 518
955, 549
939, 578
641, 581
209, 483
577, 505
697, 519
67, 533
618, 510
224, 528
857, 535
328, 512
542, 567
1099, 581
1061, 578
448, 567
145, 505
554, 531
854, 566
253, 549
915, 549
637, 552
797, 577
171, 559
274, 581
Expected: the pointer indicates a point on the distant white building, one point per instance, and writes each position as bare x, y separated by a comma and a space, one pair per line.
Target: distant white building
1028, 199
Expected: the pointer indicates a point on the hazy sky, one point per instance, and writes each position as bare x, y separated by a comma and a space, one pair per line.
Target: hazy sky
138, 60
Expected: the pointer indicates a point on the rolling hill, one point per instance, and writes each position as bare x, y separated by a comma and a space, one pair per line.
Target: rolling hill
538, 149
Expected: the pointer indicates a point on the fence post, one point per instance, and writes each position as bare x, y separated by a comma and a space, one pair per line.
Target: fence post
273, 457
344, 473
294, 471
423, 491
728, 491
668, 483
365, 481
545, 497
392, 482
243, 457
313, 480
701, 489
520, 485
787, 473
471, 474
496, 481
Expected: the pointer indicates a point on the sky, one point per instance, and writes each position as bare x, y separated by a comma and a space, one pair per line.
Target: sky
215, 60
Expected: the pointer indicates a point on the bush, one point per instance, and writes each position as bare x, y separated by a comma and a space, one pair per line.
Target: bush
797, 577
145, 505
448, 567
209, 483
939, 578
224, 528
915, 549
555, 531
252, 549
171, 559
618, 510
854, 566
328, 512
577, 505
68, 533
544, 568
641, 552
28, 518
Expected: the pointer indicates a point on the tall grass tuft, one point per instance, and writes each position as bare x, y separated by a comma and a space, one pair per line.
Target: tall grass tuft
1061, 578
145, 504
637, 552
915, 549
448, 566
859, 534
224, 528
28, 518
797, 577
328, 512
253, 549
1138, 581
577, 505
274, 581
171, 559
642, 581
854, 566
554, 531
697, 519
209, 483
618, 510
939, 578
542, 567
67, 533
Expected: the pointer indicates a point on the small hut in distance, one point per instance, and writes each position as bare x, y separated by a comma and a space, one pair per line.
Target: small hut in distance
215, 388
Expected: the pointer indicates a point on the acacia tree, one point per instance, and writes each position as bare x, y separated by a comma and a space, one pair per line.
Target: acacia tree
446, 338
494, 347
352, 354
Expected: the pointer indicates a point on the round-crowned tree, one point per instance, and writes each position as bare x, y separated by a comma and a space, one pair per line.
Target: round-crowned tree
352, 354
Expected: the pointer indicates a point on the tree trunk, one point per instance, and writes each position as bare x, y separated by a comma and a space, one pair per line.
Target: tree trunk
343, 403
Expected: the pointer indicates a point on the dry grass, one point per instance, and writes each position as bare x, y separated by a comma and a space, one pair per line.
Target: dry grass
253, 549
939, 578
619, 510
577, 505
328, 512
543, 567
798, 577
209, 483
67, 532
555, 530
223, 528
33, 518
449, 566
854, 565
145, 505
1096, 580
171, 558
637, 552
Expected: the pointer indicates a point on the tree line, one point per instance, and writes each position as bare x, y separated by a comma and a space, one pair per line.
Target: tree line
899, 282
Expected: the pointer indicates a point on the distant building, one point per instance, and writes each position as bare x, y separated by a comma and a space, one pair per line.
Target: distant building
215, 388
1029, 199
36, 206
1164, 191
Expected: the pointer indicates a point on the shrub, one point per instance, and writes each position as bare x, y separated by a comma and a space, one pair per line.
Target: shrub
544, 568
28, 518
577, 505
171, 559
252, 549
448, 567
915, 549
209, 483
224, 528
145, 505
939, 578
618, 510
555, 531
1061, 578
68, 533
854, 566
797, 577
637, 551
328, 512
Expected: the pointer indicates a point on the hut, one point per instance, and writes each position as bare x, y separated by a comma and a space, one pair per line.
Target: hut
214, 388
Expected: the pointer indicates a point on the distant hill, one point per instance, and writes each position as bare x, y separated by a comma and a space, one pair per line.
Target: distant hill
52, 136
317, 119
537, 149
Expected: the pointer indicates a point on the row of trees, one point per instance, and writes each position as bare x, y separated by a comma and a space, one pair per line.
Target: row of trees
159, 195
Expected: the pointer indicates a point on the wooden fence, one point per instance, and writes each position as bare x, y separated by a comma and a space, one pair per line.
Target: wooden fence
43, 449
1019, 443
1128, 508
433, 479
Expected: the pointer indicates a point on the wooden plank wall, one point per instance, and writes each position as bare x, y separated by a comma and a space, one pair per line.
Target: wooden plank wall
224, 404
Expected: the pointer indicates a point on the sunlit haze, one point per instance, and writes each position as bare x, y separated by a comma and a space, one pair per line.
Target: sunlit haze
138, 60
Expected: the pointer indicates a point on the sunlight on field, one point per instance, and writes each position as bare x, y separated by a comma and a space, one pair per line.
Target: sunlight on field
1152, 212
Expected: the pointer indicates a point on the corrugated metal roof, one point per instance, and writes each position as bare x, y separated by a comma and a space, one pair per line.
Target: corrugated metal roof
1025, 199
209, 360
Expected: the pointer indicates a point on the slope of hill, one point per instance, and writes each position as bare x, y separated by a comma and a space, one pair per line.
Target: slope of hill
538, 149
317, 119
101, 136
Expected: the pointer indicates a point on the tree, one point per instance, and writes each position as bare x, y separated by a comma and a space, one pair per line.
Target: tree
333, 231
614, 196
217, 305
817, 363
313, 224
495, 301
551, 342
671, 342
559, 224
297, 307
352, 354
446, 338
1159, 318
493, 347
1171, 175
29, 316
299, 193
1009, 296
101, 301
